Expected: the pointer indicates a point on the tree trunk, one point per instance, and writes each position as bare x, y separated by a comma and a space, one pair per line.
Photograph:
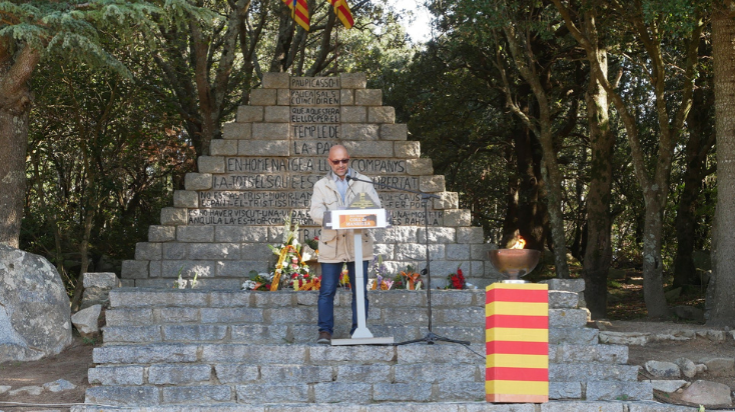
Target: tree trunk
723, 295
653, 268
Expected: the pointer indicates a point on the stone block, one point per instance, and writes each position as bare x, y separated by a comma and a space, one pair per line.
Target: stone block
255, 250
250, 114
437, 373
196, 333
461, 391
479, 251
174, 251
128, 317
254, 354
437, 235
589, 372
296, 373
419, 167
417, 251
560, 299
472, 234
565, 390
369, 149
263, 97
720, 366
369, 97
200, 394
277, 114
568, 318
402, 392
585, 406
187, 268
447, 200
353, 80
102, 280
176, 315
274, 80
407, 149
386, 251
585, 336
458, 217
357, 131
410, 354
616, 390
227, 315
381, 114
283, 97
116, 375
161, 233
236, 373
518, 407
223, 147
282, 299
335, 392
353, 114
568, 353
173, 216
158, 353
187, 198
122, 395
271, 131
195, 233
264, 393
373, 354
230, 298
393, 131
254, 334
397, 234
198, 181
289, 315
174, 374
364, 373
264, 147
240, 268
236, 131
568, 285
458, 252
132, 334
346, 97
214, 251
134, 269
431, 183
237, 234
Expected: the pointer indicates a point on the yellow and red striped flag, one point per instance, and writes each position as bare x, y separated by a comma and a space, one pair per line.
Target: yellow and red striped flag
343, 12
299, 12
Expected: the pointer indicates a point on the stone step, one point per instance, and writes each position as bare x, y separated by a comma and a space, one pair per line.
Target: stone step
553, 406
170, 298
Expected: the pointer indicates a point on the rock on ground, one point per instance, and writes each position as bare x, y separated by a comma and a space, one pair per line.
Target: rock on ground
59, 385
662, 369
86, 320
707, 393
687, 367
34, 307
31, 390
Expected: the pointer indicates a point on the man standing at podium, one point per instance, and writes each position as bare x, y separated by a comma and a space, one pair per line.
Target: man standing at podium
335, 191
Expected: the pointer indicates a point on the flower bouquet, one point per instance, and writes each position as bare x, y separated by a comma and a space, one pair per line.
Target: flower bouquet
258, 281
456, 280
291, 268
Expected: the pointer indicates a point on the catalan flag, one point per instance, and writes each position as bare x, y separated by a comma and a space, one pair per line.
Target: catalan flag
517, 336
343, 12
299, 12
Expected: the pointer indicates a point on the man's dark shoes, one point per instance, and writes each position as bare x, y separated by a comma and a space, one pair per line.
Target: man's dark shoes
325, 337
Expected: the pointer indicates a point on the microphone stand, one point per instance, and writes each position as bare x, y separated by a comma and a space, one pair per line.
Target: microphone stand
430, 337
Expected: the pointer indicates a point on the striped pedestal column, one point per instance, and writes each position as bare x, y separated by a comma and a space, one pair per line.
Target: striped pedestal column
517, 339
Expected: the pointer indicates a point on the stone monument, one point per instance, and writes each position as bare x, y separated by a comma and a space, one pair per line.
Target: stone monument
264, 169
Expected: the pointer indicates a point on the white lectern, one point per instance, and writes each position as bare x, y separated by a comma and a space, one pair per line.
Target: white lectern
357, 220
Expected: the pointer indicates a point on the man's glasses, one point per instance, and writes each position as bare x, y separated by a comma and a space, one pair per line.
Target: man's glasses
336, 162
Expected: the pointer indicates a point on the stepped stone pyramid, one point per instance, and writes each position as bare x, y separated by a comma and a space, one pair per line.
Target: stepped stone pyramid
265, 167
229, 350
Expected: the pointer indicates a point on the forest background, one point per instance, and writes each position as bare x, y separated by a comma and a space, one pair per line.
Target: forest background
587, 127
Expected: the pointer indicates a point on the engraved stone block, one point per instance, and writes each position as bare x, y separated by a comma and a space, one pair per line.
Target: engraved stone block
222, 147
273, 80
314, 83
457, 217
249, 114
263, 97
369, 97
147, 251
347, 97
409, 150
134, 269
195, 233
372, 148
186, 198
360, 131
315, 131
381, 114
173, 216
350, 114
353, 80
174, 251
394, 131
235, 130
306, 114
283, 97
271, 131
211, 164
448, 200
264, 147
198, 181
433, 183
419, 167
277, 114
161, 233
470, 235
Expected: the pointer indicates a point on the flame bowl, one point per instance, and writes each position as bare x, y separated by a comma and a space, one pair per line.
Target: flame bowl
514, 263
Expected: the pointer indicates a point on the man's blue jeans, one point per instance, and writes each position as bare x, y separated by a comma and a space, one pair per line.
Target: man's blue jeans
327, 290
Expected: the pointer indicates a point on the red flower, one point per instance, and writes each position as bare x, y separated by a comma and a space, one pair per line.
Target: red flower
459, 272
316, 237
